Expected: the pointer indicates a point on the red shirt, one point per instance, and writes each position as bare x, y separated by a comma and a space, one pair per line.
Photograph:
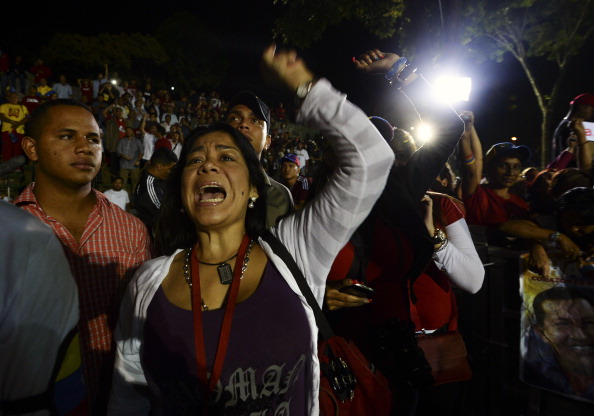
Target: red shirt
113, 245
436, 302
86, 91
163, 142
31, 102
485, 207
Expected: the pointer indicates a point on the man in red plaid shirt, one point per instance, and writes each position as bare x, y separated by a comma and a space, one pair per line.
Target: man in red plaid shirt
103, 244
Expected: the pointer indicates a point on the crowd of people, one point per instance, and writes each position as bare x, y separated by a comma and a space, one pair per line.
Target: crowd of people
178, 248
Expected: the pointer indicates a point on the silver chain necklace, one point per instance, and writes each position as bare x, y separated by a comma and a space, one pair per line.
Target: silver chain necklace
187, 268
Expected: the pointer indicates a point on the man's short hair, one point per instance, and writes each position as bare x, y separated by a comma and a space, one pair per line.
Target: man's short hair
116, 178
39, 115
163, 156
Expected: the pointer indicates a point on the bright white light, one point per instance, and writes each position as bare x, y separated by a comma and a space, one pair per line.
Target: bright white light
424, 133
514, 139
453, 89
172, 88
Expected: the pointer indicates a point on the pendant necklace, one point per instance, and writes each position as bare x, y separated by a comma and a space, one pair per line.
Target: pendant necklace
224, 269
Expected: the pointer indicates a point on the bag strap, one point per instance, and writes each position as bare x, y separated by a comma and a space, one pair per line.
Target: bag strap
281, 251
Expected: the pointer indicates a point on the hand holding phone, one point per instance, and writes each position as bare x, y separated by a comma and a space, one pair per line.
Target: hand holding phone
357, 289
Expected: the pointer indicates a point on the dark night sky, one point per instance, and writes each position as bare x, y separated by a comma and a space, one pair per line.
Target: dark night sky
501, 97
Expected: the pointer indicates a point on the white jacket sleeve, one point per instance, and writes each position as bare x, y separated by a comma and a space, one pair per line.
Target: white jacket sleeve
459, 260
315, 234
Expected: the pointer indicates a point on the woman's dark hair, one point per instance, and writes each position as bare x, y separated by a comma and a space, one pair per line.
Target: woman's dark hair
538, 194
174, 229
579, 201
569, 178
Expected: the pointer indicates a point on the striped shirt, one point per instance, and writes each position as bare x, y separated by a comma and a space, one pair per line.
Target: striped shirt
113, 245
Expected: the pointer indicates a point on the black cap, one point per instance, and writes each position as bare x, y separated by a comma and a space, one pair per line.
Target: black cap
503, 150
251, 101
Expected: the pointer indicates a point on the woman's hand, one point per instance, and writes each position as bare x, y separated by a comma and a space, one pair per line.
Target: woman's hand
467, 117
376, 62
336, 300
284, 69
569, 248
538, 261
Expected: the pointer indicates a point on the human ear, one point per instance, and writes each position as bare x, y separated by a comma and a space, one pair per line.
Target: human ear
268, 141
254, 192
29, 146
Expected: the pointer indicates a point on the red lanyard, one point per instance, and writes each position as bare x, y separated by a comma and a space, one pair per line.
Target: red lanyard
208, 385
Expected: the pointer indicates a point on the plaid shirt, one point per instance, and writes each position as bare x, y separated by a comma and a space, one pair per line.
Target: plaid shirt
113, 245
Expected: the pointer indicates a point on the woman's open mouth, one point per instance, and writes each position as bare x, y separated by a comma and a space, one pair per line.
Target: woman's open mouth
211, 194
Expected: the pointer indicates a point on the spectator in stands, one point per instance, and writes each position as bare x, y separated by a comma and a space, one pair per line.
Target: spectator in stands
150, 190
104, 244
130, 153
62, 88
149, 138
4, 69
14, 116
581, 107
108, 93
115, 130
31, 100
86, 90
99, 81
42, 88
167, 123
17, 72
40, 70
162, 139
298, 185
303, 156
117, 194
176, 142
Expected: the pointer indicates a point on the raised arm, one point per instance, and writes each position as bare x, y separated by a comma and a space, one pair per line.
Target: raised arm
471, 156
584, 152
315, 234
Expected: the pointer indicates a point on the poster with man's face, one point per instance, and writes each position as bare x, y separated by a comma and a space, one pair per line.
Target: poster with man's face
557, 329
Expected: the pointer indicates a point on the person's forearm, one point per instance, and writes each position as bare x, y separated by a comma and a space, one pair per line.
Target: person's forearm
525, 229
459, 259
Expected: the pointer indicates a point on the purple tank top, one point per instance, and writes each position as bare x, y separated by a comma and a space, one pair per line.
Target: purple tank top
265, 366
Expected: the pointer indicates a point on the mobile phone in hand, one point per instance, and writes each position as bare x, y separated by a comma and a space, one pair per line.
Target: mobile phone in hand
357, 290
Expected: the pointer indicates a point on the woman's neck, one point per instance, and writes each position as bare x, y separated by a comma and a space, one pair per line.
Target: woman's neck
217, 246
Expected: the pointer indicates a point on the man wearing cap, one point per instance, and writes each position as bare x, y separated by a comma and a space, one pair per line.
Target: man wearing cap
580, 108
251, 116
490, 203
299, 185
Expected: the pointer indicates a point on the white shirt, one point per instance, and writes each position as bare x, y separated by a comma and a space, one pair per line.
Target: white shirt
148, 142
176, 148
120, 198
303, 157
